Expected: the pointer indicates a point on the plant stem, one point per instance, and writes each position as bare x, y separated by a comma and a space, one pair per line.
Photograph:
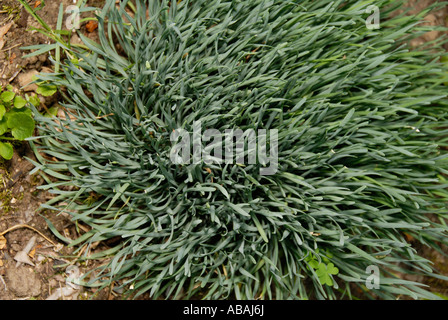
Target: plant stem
29, 227
6, 138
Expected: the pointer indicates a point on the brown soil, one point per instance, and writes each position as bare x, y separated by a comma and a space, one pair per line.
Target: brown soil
20, 197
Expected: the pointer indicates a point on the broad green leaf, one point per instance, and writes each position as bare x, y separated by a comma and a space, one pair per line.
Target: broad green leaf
46, 90
3, 126
19, 102
34, 100
52, 112
6, 150
7, 96
26, 111
2, 111
22, 125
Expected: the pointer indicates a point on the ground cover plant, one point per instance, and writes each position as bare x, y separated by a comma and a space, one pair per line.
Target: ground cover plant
16, 120
361, 123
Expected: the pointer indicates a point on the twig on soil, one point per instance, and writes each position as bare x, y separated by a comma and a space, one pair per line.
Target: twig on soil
3, 71
12, 47
29, 227
14, 76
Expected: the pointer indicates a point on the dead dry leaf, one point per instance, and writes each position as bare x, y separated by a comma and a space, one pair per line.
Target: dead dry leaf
33, 252
4, 30
2, 242
91, 25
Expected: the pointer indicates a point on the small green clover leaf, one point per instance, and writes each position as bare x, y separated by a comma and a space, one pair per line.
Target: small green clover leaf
326, 258
313, 264
6, 150
321, 272
331, 269
324, 271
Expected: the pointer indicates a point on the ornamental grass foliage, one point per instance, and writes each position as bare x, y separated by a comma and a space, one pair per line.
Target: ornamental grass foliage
362, 161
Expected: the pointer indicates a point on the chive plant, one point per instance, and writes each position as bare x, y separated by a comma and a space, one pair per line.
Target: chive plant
361, 121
